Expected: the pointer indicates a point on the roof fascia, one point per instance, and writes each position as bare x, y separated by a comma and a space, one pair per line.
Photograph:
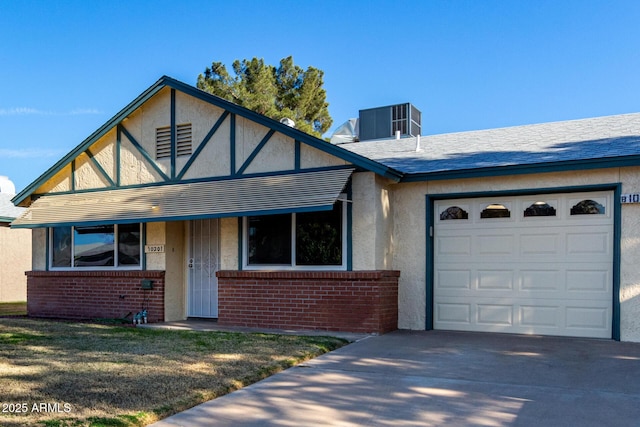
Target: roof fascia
537, 168
84, 145
166, 81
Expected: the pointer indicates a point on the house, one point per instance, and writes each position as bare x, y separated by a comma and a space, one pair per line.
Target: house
189, 206
15, 248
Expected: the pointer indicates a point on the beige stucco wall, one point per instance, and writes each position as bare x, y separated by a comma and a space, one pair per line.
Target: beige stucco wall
409, 230
39, 249
15, 260
229, 244
372, 222
175, 277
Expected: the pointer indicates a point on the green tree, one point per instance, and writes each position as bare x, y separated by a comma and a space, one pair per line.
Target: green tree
285, 91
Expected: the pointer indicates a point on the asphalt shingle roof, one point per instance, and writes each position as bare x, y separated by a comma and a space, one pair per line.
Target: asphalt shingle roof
7, 209
586, 139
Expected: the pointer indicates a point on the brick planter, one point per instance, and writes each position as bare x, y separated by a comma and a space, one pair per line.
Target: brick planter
94, 294
349, 301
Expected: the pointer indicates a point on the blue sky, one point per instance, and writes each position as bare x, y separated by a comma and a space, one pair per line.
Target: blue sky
67, 67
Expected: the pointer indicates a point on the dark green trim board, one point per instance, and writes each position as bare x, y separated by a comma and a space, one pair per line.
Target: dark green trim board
144, 152
616, 188
174, 151
429, 257
617, 259
115, 120
255, 152
240, 242
296, 155
167, 82
203, 144
232, 144
100, 168
118, 148
535, 168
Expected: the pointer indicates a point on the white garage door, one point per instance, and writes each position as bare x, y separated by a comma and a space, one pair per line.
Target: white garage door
528, 264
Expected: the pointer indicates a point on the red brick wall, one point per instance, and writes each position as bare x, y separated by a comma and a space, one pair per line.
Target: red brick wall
94, 294
350, 301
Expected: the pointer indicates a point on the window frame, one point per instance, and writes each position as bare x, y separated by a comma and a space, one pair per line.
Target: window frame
116, 242
293, 265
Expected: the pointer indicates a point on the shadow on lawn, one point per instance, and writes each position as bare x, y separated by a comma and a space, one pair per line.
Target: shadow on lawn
107, 371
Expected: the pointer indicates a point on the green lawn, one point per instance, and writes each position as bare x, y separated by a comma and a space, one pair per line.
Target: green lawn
74, 374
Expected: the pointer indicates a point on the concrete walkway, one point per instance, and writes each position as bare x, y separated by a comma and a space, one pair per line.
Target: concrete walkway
442, 379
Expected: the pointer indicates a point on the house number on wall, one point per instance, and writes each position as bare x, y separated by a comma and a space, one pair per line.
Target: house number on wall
153, 249
630, 198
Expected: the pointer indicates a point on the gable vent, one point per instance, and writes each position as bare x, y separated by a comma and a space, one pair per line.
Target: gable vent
163, 142
183, 139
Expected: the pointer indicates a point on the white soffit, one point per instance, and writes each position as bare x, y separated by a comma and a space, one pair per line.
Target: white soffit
301, 191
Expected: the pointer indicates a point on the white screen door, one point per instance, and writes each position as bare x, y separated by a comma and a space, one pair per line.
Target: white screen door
203, 264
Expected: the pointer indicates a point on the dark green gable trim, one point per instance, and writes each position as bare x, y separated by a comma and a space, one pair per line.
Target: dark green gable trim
255, 152
100, 168
174, 151
144, 152
204, 143
359, 161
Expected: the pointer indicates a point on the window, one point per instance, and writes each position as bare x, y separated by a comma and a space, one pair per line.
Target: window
313, 240
587, 207
540, 209
495, 211
453, 212
96, 247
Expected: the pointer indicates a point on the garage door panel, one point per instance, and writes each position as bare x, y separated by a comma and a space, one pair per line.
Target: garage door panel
540, 316
541, 281
589, 281
546, 244
588, 243
587, 318
454, 245
495, 314
495, 244
527, 274
491, 280
451, 313
453, 279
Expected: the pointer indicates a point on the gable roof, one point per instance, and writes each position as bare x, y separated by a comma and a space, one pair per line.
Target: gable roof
354, 158
600, 142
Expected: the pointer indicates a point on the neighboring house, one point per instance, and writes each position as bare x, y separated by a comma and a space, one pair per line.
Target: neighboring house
191, 206
15, 248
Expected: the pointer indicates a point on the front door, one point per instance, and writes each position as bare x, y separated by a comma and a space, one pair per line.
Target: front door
203, 264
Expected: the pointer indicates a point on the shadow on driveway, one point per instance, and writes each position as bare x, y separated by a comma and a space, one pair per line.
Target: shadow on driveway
440, 378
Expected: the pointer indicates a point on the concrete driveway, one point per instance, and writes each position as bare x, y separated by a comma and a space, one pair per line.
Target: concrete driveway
440, 378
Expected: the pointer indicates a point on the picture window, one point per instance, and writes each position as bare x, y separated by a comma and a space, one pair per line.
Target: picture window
96, 247
306, 239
